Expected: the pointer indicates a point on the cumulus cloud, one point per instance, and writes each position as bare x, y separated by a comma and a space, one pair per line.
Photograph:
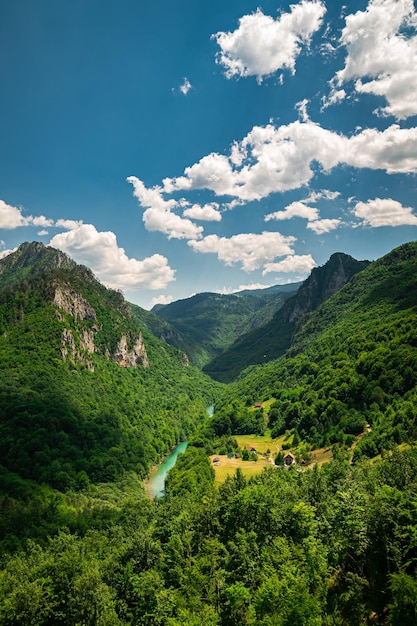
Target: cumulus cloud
41, 220
4, 253
311, 214
186, 86
251, 287
158, 215
161, 300
324, 226
261, 45
209, 212
251, 250
295, 209
276, 159
100, 252
381, 57
68, 224
295, 264
11, 217
385, 212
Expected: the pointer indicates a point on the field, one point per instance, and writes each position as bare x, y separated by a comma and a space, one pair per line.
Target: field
227, 467
262, 444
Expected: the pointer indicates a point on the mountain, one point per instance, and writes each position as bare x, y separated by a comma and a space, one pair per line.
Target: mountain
210, 322
352, 362
168, 333
86, 393
273, 338
82, 412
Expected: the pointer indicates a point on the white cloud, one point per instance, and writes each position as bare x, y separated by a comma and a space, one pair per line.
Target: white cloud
311, 214
379, 51
41, 220
161, 300
11, 217
325, 194
186, 86
42, 233
209, 212
385, 212
392, 150
295, 209
324, 226
158, 214
100, 252
251, 250
4, 253
261, 45
68, 224
297, 264
301, 107
279, 159
251, 287
336, 97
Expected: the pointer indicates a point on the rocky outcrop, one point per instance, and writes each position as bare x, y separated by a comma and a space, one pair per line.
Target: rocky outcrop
78, 354
322, 283
72, 303
133, 357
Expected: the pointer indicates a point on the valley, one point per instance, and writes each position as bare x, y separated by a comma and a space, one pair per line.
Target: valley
294, 501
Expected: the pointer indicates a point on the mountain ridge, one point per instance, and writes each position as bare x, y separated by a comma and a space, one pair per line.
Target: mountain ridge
273, 338
97, 389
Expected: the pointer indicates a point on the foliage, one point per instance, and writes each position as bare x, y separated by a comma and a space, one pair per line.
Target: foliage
214, 321
83, 544
353, 362
70, 421
273, 336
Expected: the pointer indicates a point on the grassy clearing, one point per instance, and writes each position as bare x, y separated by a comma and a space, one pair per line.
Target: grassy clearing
261, 443
228, 467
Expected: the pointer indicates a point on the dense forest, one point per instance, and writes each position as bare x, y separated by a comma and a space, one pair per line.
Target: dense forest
81, 542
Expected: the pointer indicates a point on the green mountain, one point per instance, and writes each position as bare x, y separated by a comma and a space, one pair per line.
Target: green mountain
85, 405
214, 321
352, 362
86, 393
274, 337
167, 333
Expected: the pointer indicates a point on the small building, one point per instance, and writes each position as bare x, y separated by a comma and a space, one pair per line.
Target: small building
216, 461
257, 405
289, 458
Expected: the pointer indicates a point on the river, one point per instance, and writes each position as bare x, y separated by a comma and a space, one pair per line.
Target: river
156, 482
155, 485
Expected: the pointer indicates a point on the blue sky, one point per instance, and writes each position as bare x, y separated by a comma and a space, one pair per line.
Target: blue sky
177, 146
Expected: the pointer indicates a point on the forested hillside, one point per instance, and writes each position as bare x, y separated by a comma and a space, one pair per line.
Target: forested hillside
214, 321
84, 413
274, 336
85, 393
352, 362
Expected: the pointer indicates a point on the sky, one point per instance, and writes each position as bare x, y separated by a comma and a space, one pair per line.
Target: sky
178, 147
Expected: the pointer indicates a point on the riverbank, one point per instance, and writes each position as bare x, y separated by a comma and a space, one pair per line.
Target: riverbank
155, 485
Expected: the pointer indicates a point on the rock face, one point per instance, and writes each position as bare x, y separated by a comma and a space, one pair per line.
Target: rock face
72, 303
77, 345
131, 358
69, 349
322, 283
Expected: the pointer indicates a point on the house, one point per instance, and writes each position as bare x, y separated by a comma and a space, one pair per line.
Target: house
289, 458
216, 461
257, 405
